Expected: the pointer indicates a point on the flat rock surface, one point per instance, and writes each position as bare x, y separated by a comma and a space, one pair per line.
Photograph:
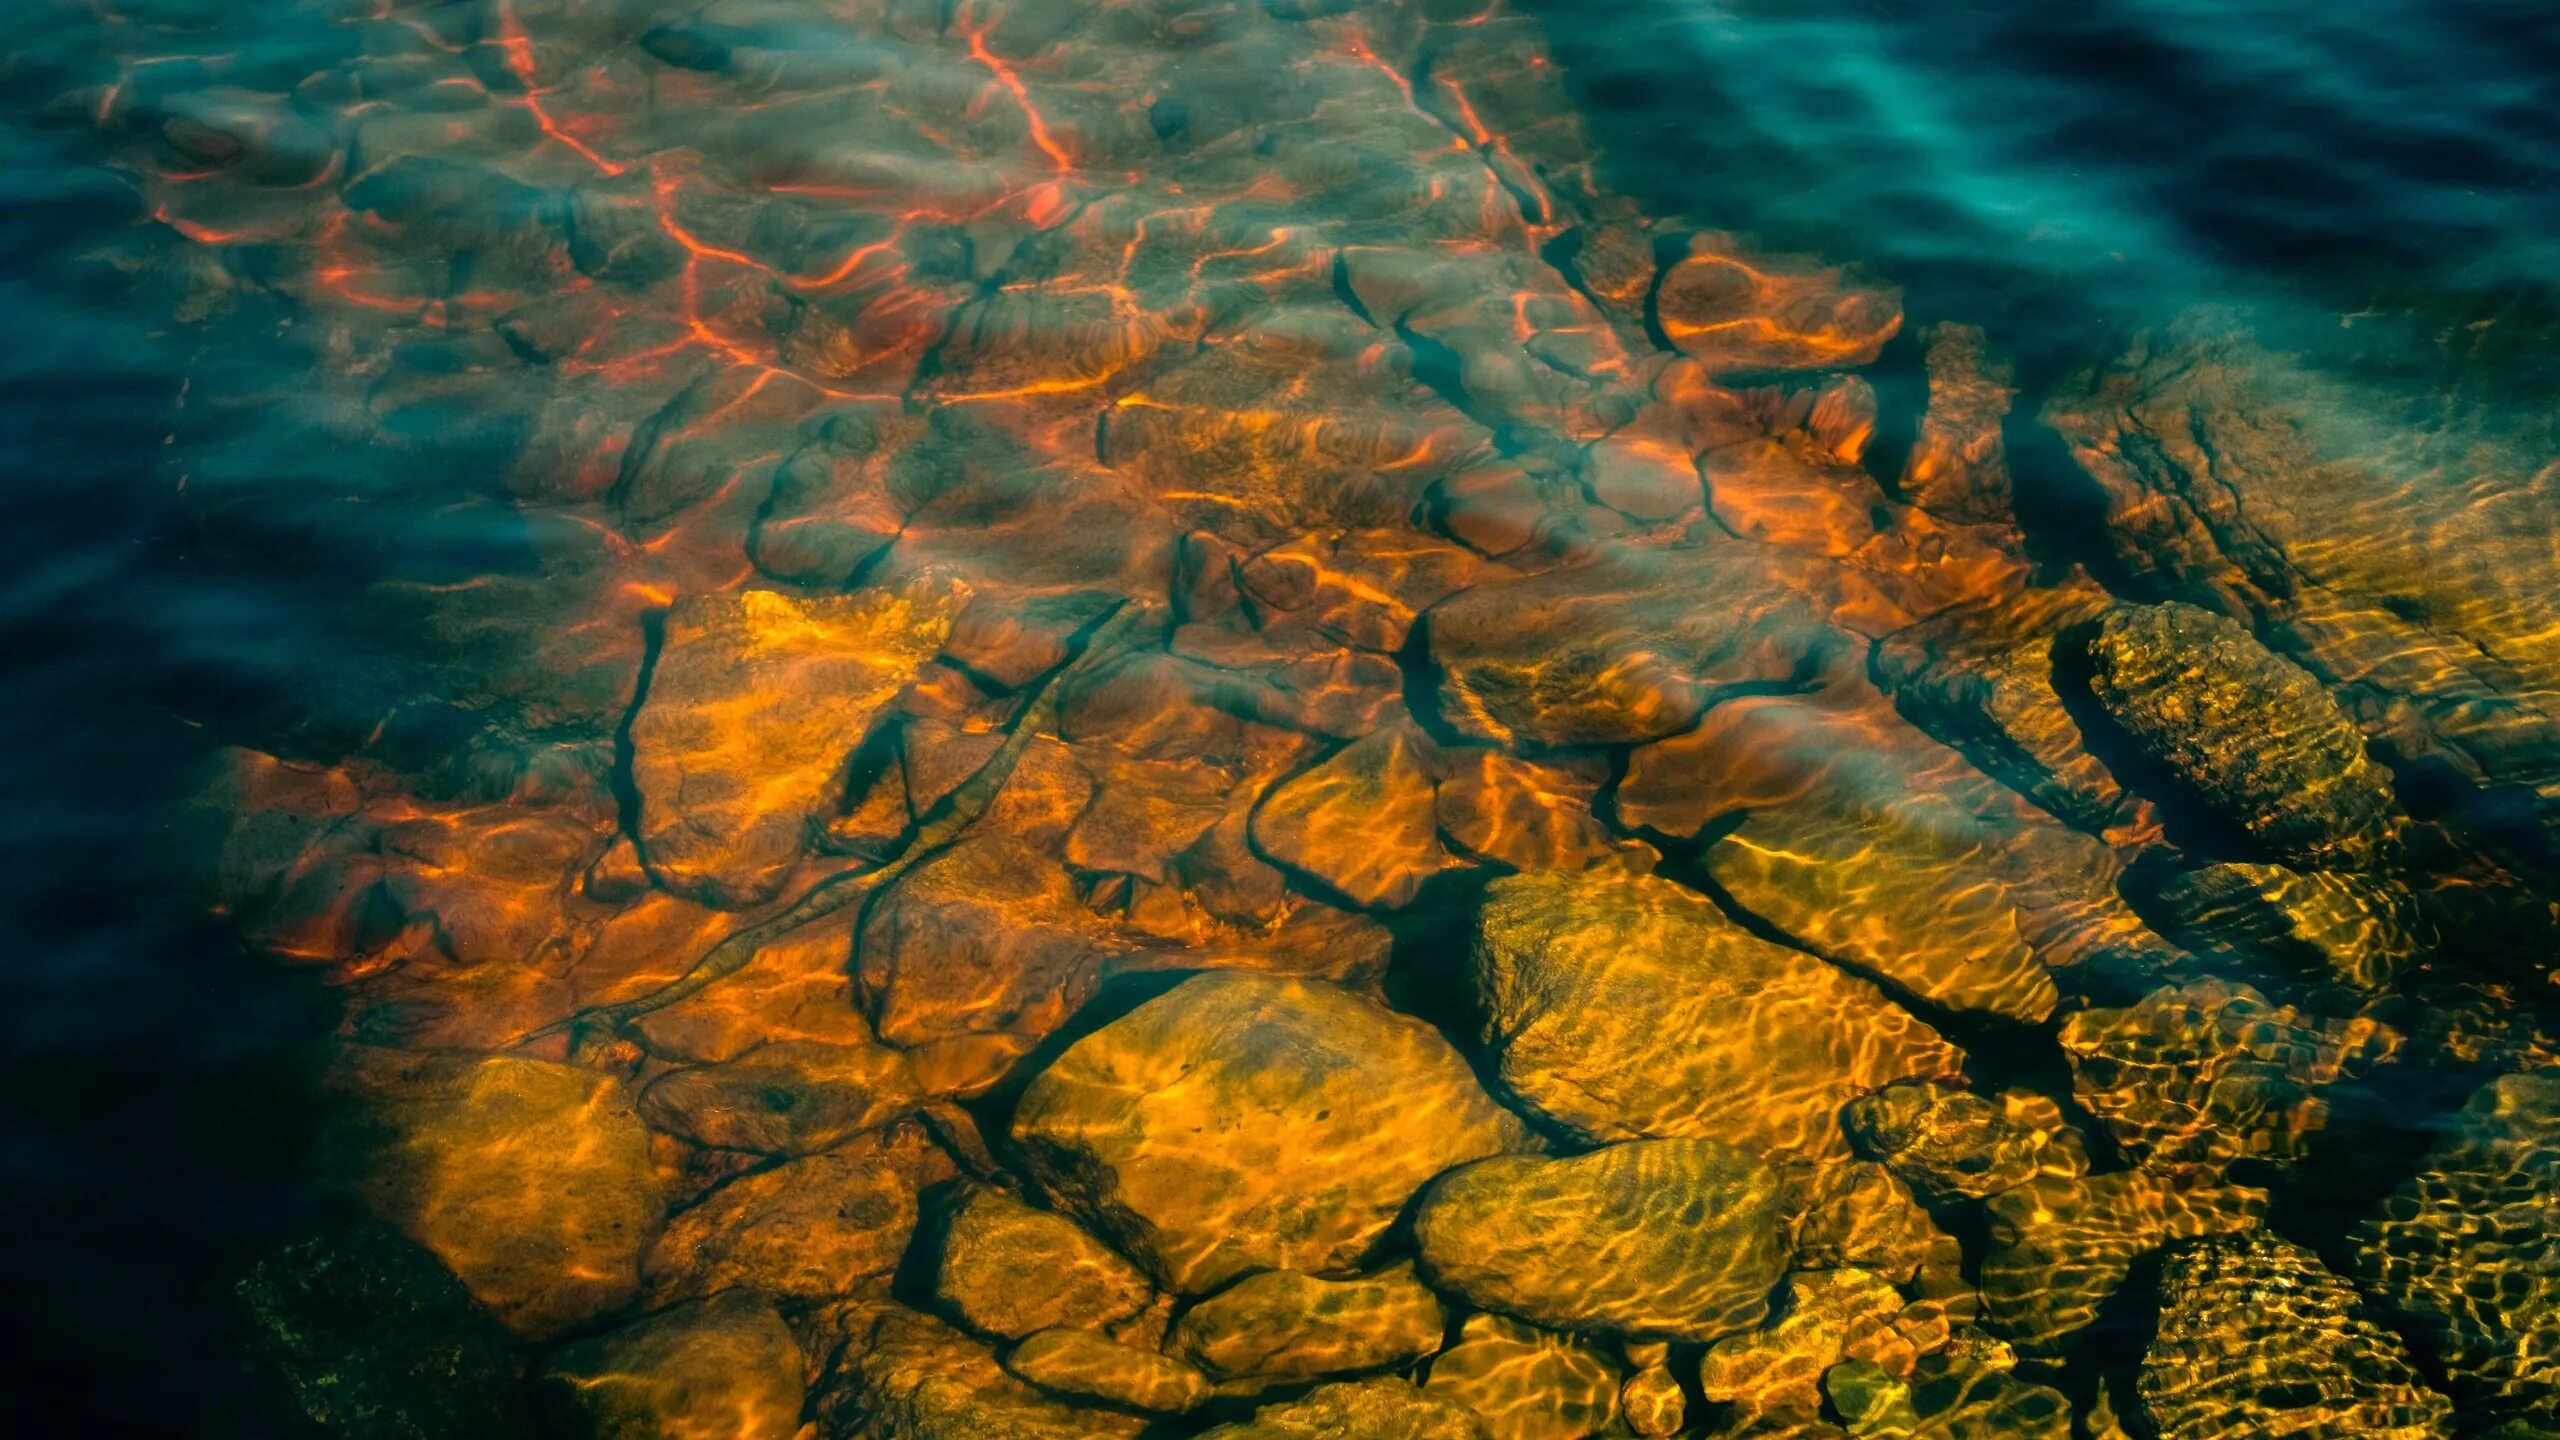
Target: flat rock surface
1740, 1039
1670, 1239
1238, 1122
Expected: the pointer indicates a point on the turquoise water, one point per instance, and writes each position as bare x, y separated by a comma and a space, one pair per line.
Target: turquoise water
202, 534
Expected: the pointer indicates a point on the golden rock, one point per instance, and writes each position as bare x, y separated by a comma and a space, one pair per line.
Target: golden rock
2257, 1339
2061, 1246
1238, 1122
755, 704
1526, 1383
2207, 1073
1948, 1143
905, 1376
2358, 930
529, 1180
1381, 1409
1286, 1325
725, 1366
1624, 1006
1959, 466
795, 1097
1361, 821
2462, 1254
1825, 1317
2255, 736
1084, 1365
810, 1229
1855, 1215
1653, 1403
1670, 1239
1008, 1269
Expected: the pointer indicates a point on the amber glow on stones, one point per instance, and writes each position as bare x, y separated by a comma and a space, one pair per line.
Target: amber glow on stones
1195, 742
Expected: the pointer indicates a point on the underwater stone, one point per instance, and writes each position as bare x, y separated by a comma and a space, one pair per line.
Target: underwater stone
2254, 735
1009, 1269
1826, 1316
1624, 1006
1670, 1239
1959, 465
1286, 1325
2208, 1073
1362, 821
756, 701
1949, 1144
905, 1376
725, 1366
1238, 1122
1381, 1409
2062, 1246
2257, 1339
1083, 1365
810, 1229
1653, 1403
1526, 1383
2354, 929
795, 1097
374, 1340
2465, 1254
530, 1180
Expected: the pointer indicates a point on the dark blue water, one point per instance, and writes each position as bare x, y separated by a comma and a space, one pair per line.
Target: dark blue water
2376, 182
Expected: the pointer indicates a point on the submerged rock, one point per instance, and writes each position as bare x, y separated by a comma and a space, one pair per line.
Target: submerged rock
1362, 821
2354, 929
2208, 1073
904, 1376
1827, 1316
1623, 1006
1952, 1144
1008, 1269
1959, 466
1285, 1325
2257, 1339
755, 704
1382, 1409
796, 1097
726, 1366
373, 1340
1653, 1402
1238, 1122
810, 1229
2465, 1255
2061, 1247
1855, 1214
1736, 313
1526, 1383
2253, 735
1083, 1365
529, 1180
1675, 1239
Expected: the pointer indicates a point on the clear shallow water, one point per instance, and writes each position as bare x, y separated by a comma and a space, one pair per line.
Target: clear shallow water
197, 533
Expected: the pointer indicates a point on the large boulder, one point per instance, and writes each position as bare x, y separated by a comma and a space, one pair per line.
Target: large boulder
2257, 1339
529, 1180
755, 703
1239, 1122
2252, 735
1669, 1239
725, 1366
2465, 1255
1623, 1006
